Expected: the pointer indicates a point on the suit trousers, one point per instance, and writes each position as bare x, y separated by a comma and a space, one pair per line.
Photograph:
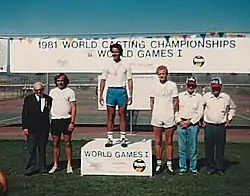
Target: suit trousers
36, 145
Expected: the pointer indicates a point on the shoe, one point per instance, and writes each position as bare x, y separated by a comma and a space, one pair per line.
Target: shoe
221, 173
69, 170
210, 172
194, 173
170, 170
181, 173
123, 143
53, 169
158, 169
109, 143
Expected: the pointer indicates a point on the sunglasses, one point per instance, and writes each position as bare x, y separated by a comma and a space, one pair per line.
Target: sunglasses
191, 85
40, 89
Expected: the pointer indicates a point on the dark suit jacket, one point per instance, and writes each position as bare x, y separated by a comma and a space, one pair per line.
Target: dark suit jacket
33, 119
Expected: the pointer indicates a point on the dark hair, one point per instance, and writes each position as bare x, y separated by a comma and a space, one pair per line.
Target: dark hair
66, 79
161, 67
118, 46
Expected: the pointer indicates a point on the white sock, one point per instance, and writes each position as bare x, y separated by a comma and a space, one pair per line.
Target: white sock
110, 135
159, 162
169, 163
122, 135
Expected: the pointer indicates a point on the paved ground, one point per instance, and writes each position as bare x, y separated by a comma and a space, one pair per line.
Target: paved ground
233, 135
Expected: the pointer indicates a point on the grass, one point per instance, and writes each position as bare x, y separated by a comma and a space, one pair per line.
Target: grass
235, 182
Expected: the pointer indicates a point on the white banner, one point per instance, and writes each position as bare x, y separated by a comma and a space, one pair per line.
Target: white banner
3, 55
191, 55
134, 160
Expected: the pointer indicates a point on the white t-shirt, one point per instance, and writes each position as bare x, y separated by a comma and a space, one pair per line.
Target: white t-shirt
117, 74
61, 102
163, 99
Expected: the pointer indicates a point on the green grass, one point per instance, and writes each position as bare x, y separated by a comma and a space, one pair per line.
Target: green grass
235, 182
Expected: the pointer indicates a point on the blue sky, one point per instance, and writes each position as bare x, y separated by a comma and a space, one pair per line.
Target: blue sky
123, 16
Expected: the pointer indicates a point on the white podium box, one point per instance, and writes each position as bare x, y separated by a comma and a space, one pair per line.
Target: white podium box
134, 160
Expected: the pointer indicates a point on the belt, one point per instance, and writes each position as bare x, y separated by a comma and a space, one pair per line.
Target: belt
117, 87
184, 119
216, 124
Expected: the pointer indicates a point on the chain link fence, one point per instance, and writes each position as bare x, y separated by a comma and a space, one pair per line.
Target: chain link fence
15, 87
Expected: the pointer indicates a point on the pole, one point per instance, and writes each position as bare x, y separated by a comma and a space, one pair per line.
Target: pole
47, 83
131, 121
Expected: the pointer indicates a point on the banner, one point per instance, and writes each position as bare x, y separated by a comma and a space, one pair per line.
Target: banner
190, 55
134, 160
3, 55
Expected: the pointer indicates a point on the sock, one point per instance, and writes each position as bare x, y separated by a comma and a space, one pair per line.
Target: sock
169, 163
110, 135
159, 162
122, 135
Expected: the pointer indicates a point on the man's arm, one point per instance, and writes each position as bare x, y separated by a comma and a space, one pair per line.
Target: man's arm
25, 114
231, 110
73, 111
152, 101
130, 87
102, 86
199, 113
176, 104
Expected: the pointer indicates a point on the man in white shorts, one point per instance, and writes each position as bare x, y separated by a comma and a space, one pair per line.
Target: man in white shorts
63, 115
164, 104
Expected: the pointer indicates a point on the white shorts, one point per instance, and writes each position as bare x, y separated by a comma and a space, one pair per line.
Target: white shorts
165, 123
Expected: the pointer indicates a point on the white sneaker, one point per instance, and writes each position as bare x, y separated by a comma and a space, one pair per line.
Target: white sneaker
170, 169
69, 170
158, 167
53, 169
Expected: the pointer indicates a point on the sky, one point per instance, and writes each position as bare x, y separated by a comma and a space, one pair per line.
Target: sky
25, 17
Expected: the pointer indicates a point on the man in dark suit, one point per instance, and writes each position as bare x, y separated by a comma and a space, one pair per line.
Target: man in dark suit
36, 126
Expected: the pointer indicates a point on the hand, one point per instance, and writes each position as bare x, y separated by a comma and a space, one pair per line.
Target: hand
130, 100
101, 101
187, 122
71, 127
25, 132
203, 124
183, 124
228, 123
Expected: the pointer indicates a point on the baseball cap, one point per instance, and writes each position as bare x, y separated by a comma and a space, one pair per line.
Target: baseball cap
216, 82
191, 81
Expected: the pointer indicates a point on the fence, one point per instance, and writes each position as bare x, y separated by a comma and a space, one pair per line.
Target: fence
13, 89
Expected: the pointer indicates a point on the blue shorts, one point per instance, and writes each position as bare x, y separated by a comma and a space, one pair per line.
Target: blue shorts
116, 96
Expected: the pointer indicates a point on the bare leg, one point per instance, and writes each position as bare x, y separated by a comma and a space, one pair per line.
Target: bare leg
158, 147
110, 125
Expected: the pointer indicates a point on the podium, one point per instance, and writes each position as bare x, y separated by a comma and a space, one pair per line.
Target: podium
134, 160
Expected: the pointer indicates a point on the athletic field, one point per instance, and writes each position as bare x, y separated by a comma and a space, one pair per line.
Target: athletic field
236, 181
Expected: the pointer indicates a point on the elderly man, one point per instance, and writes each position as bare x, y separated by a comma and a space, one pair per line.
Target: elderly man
219, 110
188, 117
35, 125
